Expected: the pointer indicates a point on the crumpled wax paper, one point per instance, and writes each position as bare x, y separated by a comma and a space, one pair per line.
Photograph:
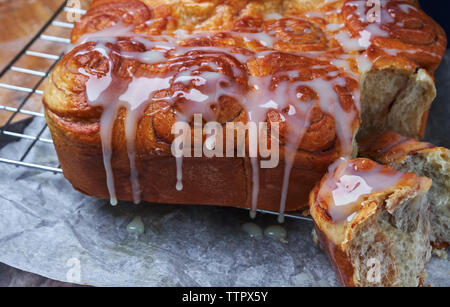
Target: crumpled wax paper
48, 228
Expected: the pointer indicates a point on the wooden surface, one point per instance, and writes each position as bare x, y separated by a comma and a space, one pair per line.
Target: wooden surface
20, 20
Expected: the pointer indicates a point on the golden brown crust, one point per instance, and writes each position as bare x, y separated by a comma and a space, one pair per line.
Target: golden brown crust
339, 260
411, 33
300, 40
413, 39
390, 147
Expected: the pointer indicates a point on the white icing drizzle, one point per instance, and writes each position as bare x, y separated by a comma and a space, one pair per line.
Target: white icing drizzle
373, 29
257, 102
148, 57
346, 184
179, 185
314, 15
363, 41
334, 26
263, 38
113, 94
364, 64
272, 16
106, 135
105, 92
137, 93
263, 99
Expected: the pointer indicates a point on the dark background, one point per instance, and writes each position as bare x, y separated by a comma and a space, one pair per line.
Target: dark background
439, 10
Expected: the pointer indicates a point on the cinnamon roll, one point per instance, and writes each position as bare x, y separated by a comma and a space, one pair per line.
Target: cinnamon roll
372, 222
401, 29
140, 67
295, 34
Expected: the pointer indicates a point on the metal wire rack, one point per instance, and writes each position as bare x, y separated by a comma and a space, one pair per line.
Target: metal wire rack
8, 131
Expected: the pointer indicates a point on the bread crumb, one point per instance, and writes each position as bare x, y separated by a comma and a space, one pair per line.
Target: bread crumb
424, 276
306, 213
314, 237
440, 253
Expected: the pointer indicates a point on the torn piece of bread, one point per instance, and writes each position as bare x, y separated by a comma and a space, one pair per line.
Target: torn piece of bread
396, 99
397, 89
373, 223
424, 159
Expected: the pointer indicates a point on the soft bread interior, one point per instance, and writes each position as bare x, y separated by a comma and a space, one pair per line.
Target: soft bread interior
393, 99
434, 164
394, 243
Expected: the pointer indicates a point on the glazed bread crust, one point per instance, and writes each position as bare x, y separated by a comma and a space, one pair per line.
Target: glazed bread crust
219, 181
380, 234
247, 44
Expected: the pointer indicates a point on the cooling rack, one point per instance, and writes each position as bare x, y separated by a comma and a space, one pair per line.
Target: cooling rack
9, 130
19, 115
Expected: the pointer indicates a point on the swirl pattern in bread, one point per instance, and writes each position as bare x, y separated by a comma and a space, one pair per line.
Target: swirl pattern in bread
313, 67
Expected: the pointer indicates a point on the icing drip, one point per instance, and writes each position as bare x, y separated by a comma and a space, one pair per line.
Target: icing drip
105, 91
179, 185
285, 96
196, 78
137, 93
106, 135
257, 105
200, 70
348, 182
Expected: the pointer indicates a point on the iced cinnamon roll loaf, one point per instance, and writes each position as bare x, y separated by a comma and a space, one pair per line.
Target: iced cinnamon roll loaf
372, 222
424, 159
306, 70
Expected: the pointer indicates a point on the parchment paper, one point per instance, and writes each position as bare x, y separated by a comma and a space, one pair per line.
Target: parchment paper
45, 225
